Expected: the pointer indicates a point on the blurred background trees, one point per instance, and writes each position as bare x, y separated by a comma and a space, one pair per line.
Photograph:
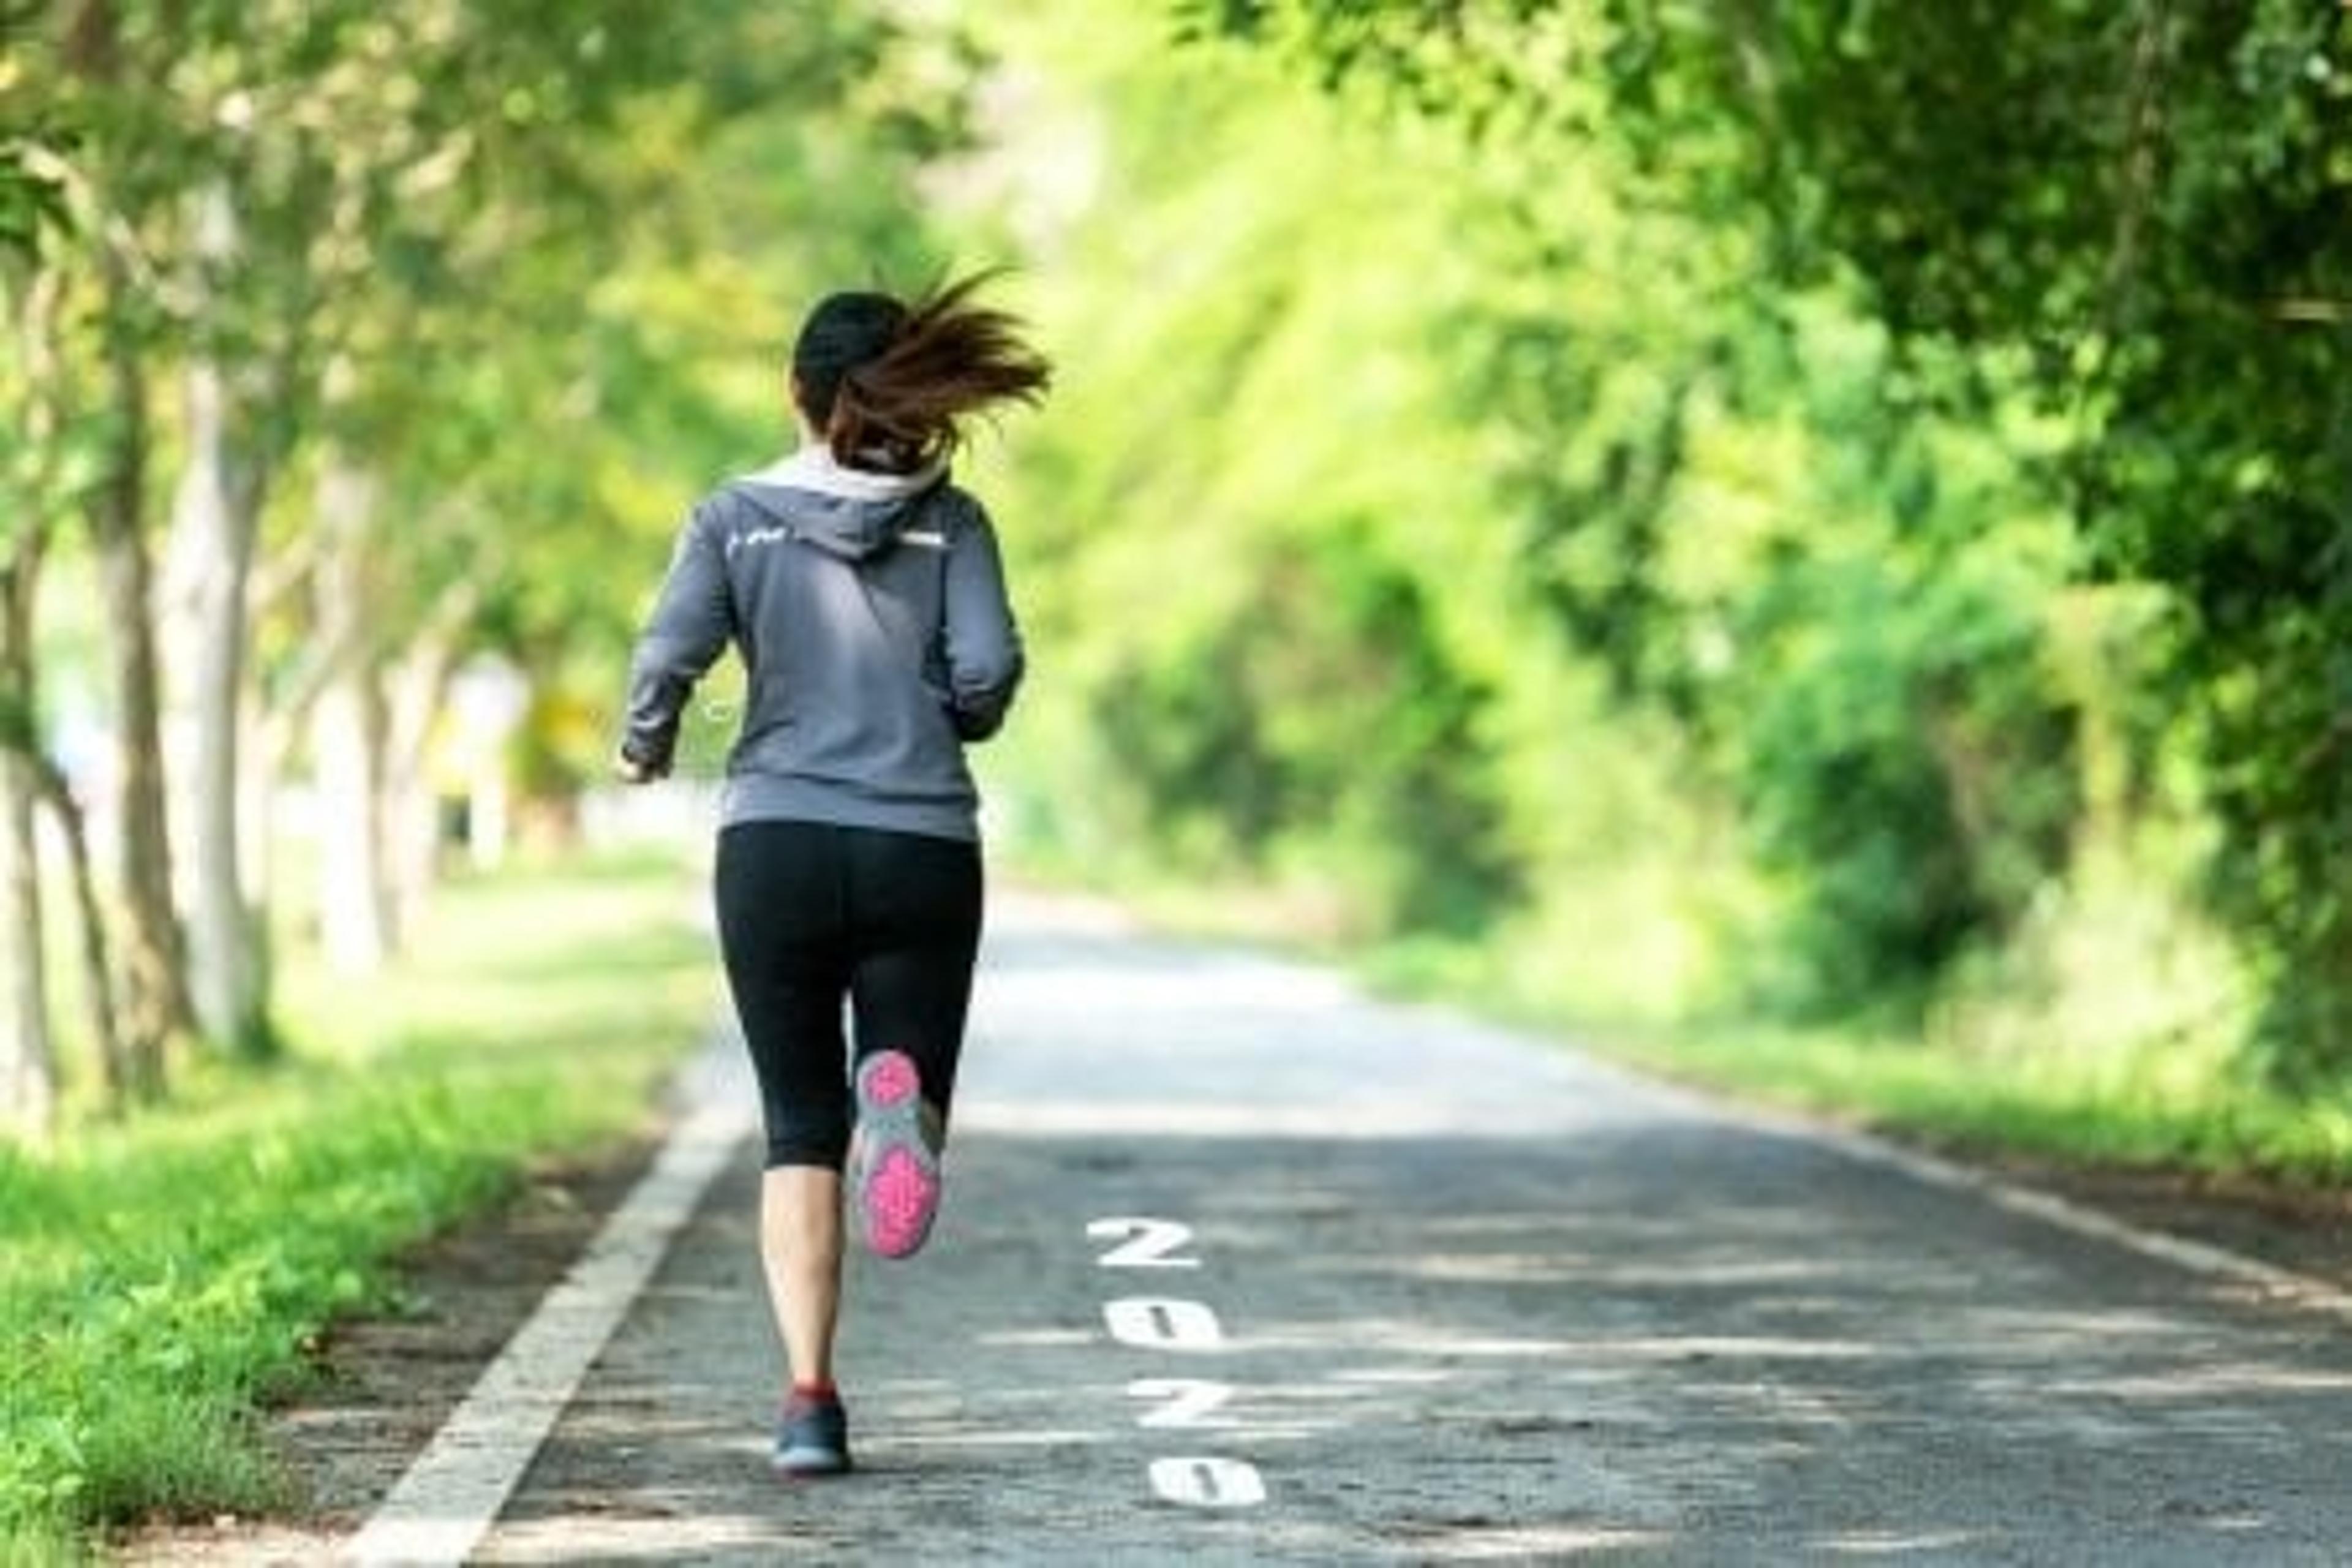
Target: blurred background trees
1826, 511
312, 309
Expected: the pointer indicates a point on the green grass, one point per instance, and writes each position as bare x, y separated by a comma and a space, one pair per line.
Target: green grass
160, 1279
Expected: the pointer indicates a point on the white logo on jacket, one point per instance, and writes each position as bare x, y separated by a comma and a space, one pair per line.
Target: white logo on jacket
760, 536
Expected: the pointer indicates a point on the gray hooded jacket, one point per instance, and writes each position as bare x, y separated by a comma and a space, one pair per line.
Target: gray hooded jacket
871, 616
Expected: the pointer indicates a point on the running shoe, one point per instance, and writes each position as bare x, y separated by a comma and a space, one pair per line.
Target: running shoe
812, 1436
894, 1162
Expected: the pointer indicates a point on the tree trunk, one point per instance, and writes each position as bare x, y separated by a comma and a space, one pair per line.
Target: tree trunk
212, 551
28, 1060
28, 1091
156, 1007
357, 917
28, 777
114, 1061
213, 524
357, 925
411, 814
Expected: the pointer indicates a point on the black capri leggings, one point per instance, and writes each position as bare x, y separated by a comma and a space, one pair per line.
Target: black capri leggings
810, 914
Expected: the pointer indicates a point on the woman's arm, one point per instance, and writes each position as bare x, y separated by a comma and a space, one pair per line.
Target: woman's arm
981, 641
689, 626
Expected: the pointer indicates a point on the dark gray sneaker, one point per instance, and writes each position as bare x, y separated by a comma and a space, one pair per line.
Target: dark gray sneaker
812, 1436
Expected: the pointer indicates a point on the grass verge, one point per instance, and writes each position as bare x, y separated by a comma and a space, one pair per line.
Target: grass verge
161, 1280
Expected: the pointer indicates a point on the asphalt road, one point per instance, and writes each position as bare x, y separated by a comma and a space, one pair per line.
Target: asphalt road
1238, 1266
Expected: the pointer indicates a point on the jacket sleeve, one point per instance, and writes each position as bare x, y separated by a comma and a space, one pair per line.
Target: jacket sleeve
981, 641
689, 626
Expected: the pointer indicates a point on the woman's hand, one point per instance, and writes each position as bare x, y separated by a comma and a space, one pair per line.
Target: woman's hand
629, 770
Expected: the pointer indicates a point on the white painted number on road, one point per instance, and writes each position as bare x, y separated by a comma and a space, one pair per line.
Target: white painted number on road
1149, 1243
1163, 1324
1208, 1482
1187, 1401
1174, 1323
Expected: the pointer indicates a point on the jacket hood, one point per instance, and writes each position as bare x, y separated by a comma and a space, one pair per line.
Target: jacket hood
849, 513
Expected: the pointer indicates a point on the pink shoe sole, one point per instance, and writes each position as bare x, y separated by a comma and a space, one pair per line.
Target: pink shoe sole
895, 1174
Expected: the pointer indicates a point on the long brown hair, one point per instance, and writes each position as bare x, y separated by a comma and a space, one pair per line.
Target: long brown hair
888, 382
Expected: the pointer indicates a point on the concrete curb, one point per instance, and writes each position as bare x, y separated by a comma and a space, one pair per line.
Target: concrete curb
453, 1491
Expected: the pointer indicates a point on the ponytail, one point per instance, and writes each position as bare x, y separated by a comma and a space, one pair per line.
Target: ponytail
888, 382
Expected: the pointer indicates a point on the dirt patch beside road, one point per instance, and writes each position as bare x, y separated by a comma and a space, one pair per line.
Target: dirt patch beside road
386, 1384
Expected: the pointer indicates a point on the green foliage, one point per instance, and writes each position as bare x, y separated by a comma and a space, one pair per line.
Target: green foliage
2134, 219
1885, 690
32, 202
163, 1279
2155, 201
1321, 715
1237, 537
1830, 565
1907, 773
1325, 554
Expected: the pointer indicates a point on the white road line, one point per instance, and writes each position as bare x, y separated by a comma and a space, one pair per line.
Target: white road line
453, 1491
2269, 1279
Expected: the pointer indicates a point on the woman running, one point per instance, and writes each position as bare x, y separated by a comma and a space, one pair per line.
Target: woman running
863, 592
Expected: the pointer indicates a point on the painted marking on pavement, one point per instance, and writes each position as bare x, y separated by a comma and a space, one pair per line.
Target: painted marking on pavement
454, 1490
1208, 1480
1174, 1323
1152, 1241
1163, 1324
1184, 1401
